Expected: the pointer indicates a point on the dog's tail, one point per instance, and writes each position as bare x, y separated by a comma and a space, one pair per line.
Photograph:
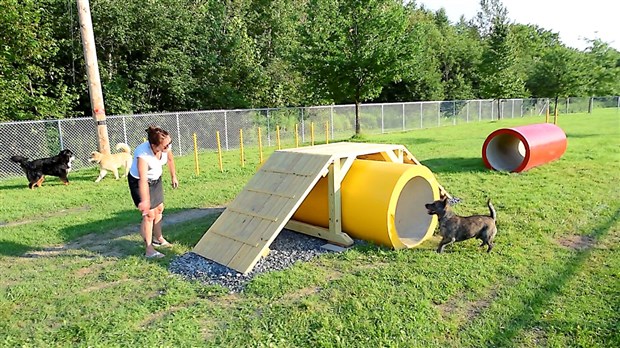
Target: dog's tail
492, 211
123, 147
23, 161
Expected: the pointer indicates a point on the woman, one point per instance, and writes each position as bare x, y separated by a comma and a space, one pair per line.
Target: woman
146, 187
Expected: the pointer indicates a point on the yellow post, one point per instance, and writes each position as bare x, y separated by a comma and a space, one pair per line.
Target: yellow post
547, 115
278, 137
260, 147
196, 155
296, 135
219, 150
241, 147
555, 118
327, 132
312, 133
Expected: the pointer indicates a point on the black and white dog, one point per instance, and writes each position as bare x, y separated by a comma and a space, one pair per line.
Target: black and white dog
59, 165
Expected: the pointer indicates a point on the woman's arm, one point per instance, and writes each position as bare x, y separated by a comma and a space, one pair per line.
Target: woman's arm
143, 186
173, 170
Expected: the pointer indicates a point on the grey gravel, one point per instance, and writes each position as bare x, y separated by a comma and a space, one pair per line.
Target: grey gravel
289, 247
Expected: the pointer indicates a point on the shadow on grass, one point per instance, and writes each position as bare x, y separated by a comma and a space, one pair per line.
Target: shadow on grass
541, 299
119, 235
455, 165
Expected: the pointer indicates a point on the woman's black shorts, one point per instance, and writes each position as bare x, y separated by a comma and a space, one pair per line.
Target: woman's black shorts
156, 191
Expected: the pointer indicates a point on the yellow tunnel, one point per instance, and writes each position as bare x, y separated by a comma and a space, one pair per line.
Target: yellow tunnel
382, 202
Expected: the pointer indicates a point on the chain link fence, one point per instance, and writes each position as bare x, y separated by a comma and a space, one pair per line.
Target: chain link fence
37, 139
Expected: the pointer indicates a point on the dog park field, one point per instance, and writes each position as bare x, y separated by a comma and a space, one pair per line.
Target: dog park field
73, 273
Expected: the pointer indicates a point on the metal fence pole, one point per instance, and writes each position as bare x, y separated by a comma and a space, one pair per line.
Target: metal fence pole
382, 127
226, 130
479, 110
421, 116
62, 145
268, 130
124, 129
303, 128
331, 120
438, 114
404, 128
179, 134
467, 113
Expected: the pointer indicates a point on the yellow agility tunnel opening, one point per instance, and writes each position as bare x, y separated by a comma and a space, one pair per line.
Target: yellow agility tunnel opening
382, 202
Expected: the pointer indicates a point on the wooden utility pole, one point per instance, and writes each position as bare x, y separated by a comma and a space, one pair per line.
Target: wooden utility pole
92, 71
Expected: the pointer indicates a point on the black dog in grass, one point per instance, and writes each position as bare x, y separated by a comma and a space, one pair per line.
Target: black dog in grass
59, 165
454, 228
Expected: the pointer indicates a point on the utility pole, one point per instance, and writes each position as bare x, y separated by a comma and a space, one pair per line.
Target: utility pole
92, 71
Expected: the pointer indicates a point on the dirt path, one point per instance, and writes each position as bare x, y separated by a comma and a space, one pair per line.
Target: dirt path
106, 244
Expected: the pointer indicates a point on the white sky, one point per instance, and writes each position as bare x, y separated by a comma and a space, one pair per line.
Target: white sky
573, 20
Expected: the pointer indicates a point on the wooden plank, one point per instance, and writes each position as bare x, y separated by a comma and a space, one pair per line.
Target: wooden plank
341, 238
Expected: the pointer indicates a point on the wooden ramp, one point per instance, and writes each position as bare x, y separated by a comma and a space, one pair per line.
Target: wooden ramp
244, 231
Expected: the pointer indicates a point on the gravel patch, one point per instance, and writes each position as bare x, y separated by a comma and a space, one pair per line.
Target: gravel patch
289, 247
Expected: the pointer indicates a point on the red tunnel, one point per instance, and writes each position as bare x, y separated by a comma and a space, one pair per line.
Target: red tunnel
521, 148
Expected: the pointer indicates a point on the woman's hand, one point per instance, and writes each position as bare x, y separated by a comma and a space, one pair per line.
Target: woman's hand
175, 182
144, 207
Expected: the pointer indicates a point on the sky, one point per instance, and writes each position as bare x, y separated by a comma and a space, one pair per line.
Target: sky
574, 20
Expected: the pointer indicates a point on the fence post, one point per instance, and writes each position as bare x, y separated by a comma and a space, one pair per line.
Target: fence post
467, 112
479, 110
454, 113
513, 109
124, 130
331, 120
62, 145
567, 103
179, 134
226, 130
303, 128
268, 130
404, 128
382, 126
438, 114
421, 115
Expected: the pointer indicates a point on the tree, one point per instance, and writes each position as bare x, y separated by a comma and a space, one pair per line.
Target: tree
500, 77
350, 49
561, 72
31, 83
604, 69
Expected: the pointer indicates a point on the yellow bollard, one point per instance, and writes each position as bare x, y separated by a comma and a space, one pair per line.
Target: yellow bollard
296, 135
278, 137
327, 132
241, 147
196, 155
260, 147
555, 118
219, 150
312, 133
547, 115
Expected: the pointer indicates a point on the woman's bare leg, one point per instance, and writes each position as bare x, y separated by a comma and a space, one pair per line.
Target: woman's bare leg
146, 230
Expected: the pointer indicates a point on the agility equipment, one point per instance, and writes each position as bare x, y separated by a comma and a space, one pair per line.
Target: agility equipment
374, 192
518, 149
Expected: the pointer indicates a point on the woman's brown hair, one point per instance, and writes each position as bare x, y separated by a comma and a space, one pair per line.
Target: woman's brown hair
156, 135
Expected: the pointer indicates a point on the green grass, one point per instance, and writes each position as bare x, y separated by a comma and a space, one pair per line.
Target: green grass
552, 279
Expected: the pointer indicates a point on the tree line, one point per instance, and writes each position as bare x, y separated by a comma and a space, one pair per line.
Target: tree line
181, 55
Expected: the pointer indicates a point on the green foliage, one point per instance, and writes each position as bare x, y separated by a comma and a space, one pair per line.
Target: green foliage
182, 55
31, 84
353, 48
500, 77
559, 73
603, 69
